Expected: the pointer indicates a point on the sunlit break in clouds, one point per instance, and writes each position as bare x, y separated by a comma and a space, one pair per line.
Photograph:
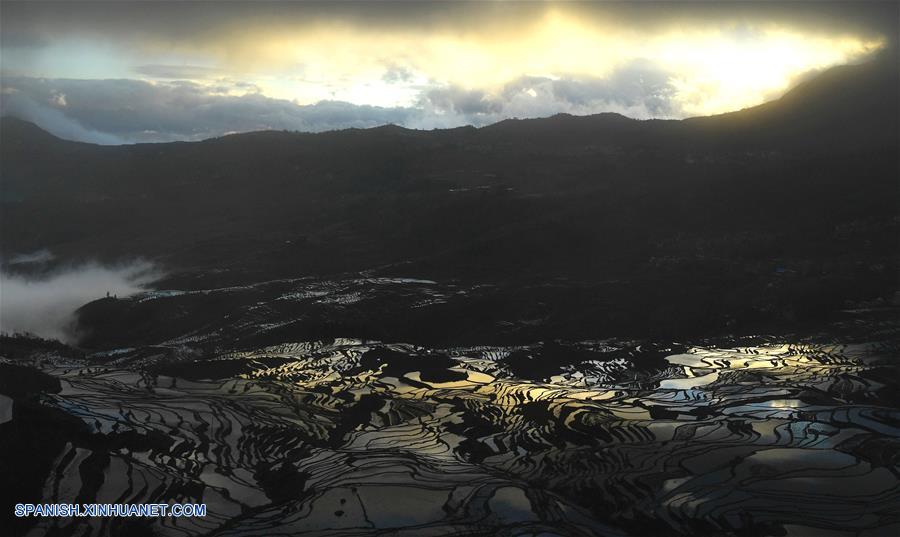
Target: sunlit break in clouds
169, 71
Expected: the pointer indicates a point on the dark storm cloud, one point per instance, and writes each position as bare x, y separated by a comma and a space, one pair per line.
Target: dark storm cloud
33, 23
122, 111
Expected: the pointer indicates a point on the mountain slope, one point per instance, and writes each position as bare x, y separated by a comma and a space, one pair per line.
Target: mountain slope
786, 209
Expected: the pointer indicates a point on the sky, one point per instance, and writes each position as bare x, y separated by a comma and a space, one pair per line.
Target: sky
127, 72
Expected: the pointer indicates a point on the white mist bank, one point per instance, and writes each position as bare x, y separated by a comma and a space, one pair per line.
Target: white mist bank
45, 306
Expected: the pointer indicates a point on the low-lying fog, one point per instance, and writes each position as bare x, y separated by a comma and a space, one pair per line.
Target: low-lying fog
44, 305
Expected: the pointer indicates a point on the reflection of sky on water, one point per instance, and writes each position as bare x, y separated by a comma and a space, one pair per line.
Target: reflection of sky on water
382, 438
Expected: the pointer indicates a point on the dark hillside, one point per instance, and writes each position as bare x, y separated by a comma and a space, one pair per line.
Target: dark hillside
783, 212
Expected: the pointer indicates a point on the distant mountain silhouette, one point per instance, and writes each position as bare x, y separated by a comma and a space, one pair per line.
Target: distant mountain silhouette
784, 210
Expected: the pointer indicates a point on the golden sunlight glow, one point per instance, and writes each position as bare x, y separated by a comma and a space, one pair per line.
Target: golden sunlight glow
711, 70
716, 74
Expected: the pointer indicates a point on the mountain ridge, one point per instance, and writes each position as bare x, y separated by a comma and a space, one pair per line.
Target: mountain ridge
842, 76
780, 210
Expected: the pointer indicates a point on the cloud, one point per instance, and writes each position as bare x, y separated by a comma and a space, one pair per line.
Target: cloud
426, 63
639, 89
59, 100
462, 101
126, 111
178, 72
45, 305
32, 24
397, 73
36, 257
53, 119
